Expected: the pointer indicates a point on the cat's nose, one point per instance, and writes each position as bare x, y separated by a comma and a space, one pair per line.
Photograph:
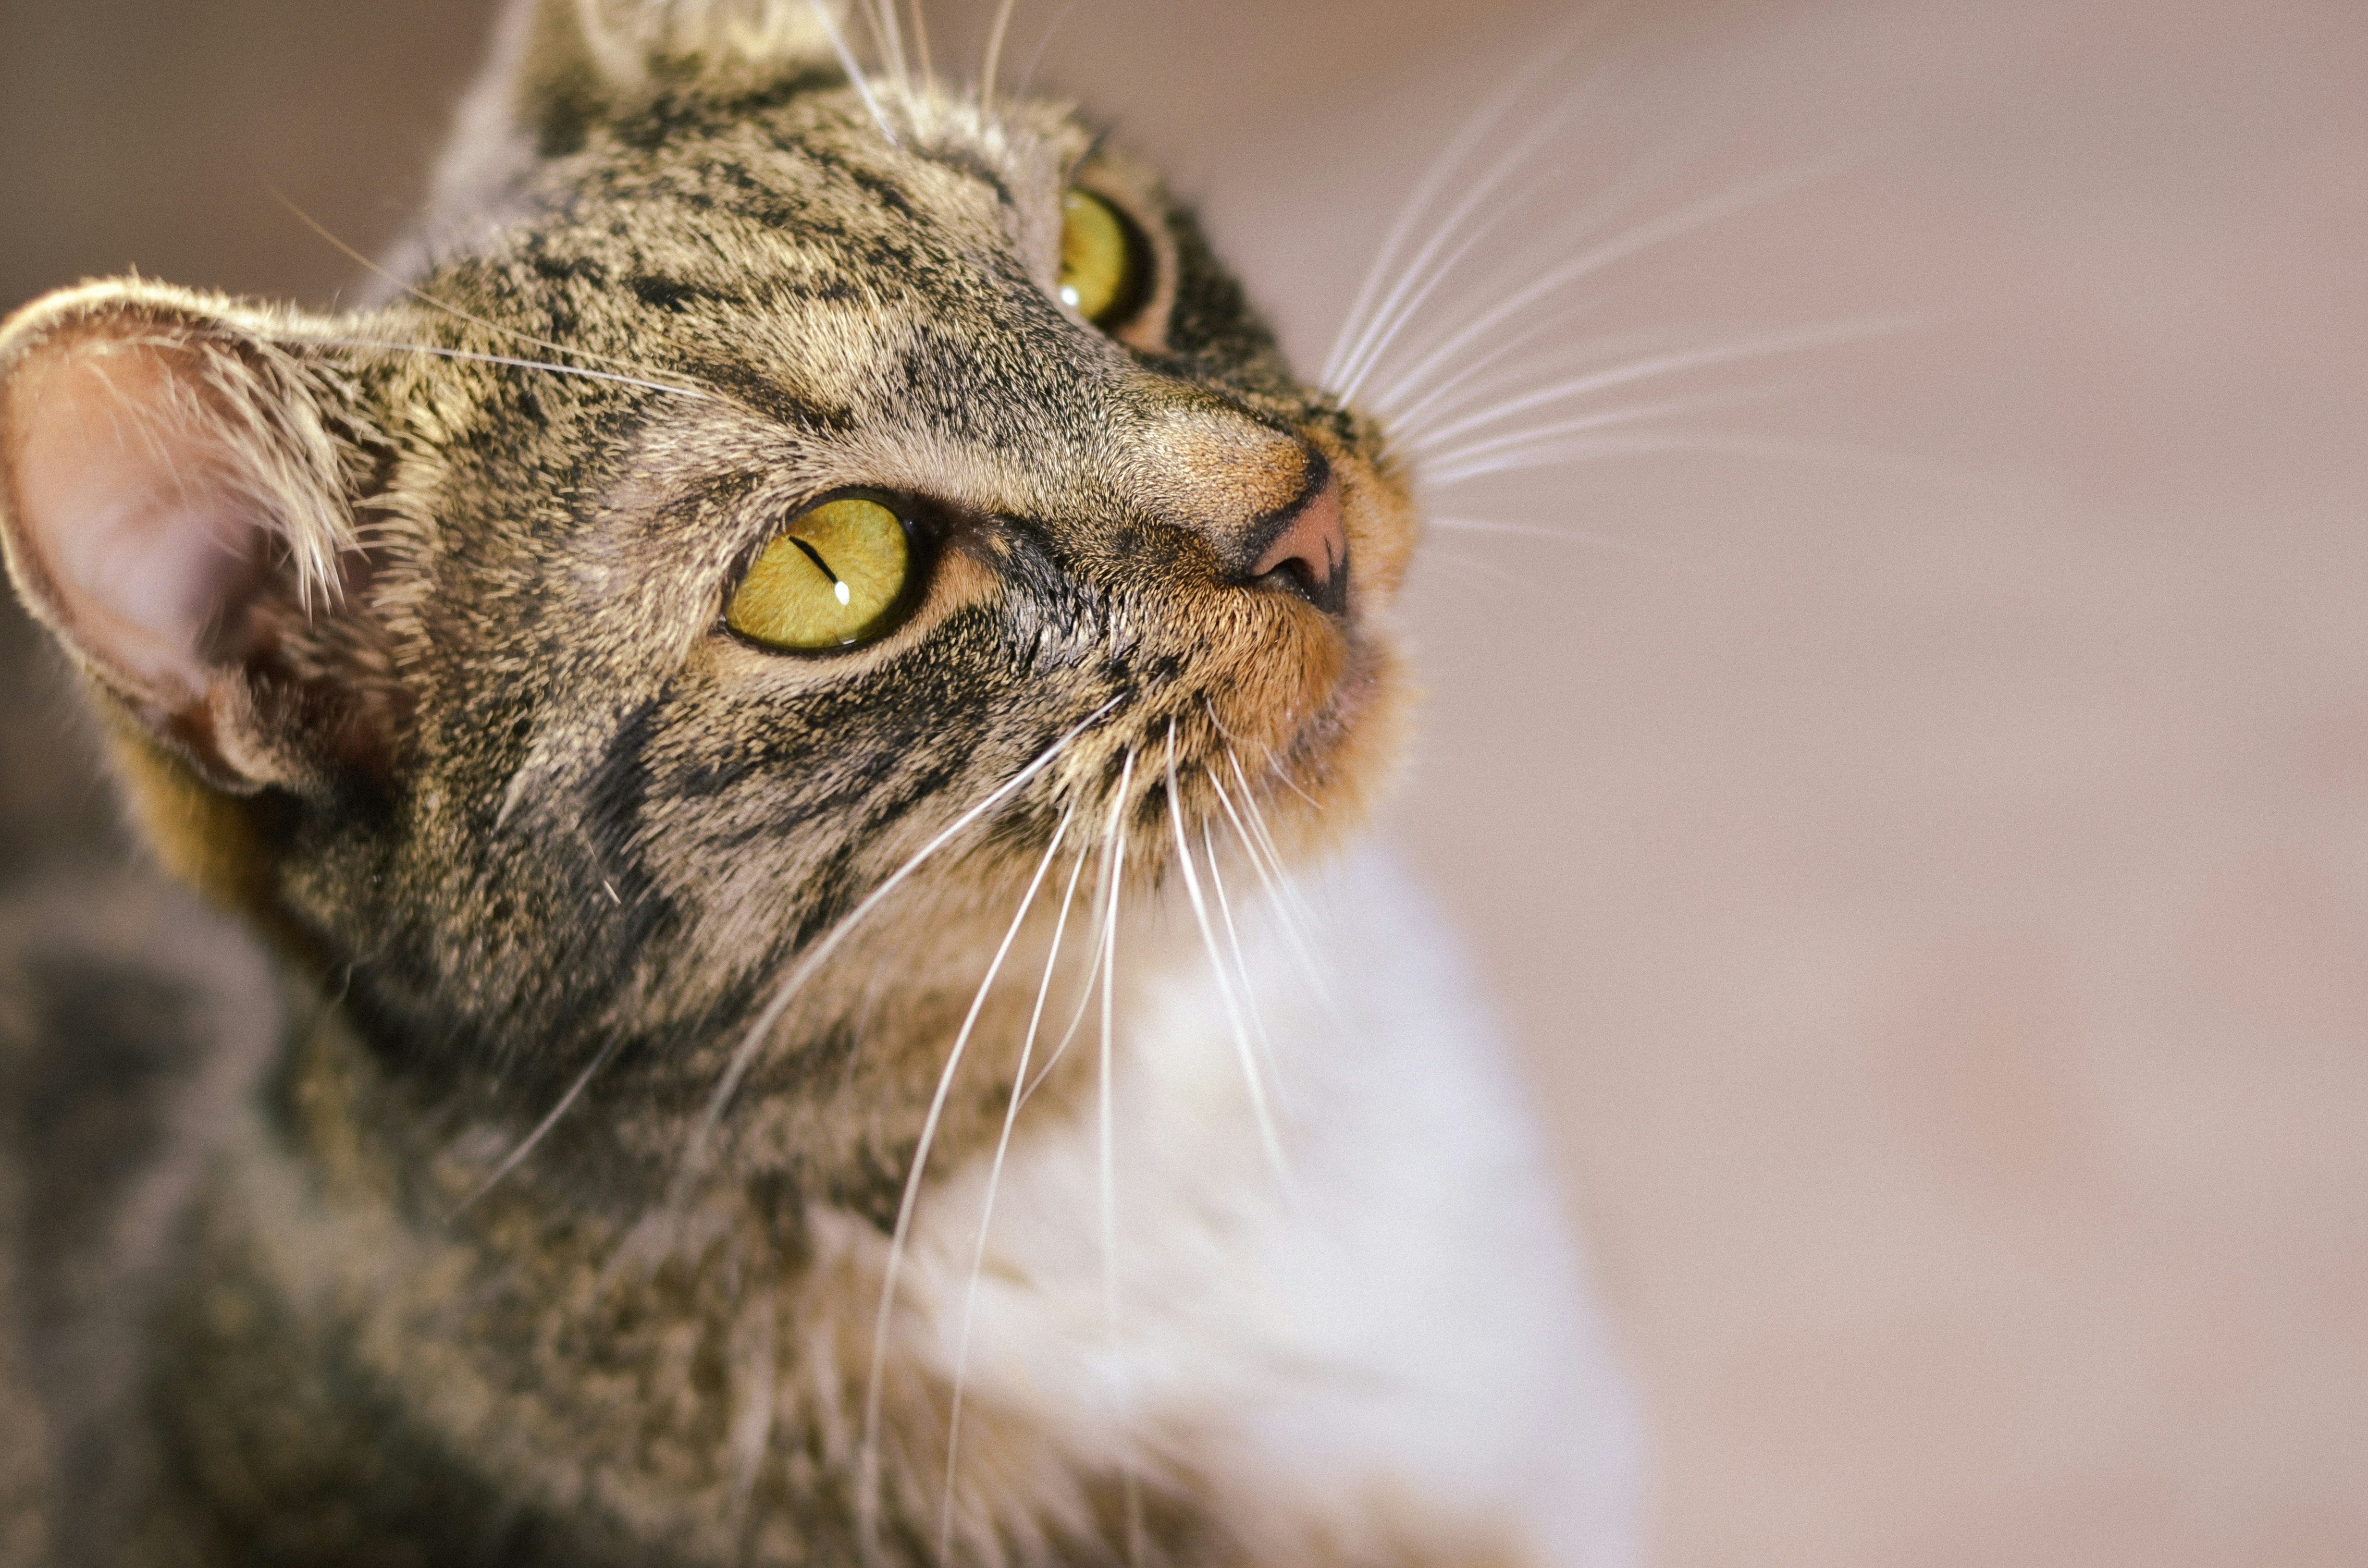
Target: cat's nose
1264, 500
1307, 553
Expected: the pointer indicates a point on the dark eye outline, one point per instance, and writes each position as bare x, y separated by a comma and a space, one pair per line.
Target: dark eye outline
923, 535
1141, 266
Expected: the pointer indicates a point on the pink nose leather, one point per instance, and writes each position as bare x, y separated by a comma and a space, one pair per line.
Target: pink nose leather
1314, 541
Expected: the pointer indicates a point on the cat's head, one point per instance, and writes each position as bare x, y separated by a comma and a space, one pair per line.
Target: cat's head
766, 479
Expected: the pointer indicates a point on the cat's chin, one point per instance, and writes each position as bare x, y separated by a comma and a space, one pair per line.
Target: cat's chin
1312, 767
1340, 760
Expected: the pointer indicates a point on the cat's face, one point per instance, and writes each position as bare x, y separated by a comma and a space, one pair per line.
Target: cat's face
554, 770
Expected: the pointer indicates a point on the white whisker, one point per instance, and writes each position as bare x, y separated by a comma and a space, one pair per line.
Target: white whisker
1109, 1143
889, 34
1258, 1109
1430, 269
1527, 585
1274, 766
1442, 164
1450, 157
1708, 443
993, 1184
1283, 895
1105, 1106
526, 1145
1637, 414
921, 46
743, 1057
1241, 833
869, 1465
1241, 963
1434, 350
1791, 341
1668, 226
1105, 909
1028, 76
1717, 444
1556, 456
1445, 395
1259, 835
855, 75
1433, 269
991, 63
1532, 530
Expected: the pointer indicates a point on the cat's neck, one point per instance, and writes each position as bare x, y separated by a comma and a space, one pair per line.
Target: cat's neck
827, 1105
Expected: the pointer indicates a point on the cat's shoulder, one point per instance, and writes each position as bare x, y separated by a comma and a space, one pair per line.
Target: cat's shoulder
133, 1023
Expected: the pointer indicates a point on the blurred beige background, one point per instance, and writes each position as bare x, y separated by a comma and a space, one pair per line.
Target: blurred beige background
1919, 831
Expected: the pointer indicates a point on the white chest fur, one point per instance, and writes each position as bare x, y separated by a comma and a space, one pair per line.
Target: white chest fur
1388, 1332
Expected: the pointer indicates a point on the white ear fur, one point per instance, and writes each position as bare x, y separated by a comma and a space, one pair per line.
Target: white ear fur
162, 456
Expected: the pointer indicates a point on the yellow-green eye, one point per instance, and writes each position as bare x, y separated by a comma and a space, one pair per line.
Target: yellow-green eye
829, 579
1101, 264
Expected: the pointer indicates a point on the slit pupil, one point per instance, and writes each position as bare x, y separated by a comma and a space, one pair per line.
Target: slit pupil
838, 587
823, 567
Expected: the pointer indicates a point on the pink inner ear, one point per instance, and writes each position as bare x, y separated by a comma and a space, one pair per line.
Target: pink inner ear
125, 515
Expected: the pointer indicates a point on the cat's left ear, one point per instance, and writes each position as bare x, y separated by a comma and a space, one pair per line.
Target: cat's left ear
175, 476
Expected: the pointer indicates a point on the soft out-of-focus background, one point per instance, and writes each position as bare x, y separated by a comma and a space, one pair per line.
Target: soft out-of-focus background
1916, 820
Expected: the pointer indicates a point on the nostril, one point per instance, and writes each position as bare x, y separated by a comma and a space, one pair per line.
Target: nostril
1310, 556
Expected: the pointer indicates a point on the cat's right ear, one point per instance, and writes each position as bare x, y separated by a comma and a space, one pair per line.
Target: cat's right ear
175, 481
573, 62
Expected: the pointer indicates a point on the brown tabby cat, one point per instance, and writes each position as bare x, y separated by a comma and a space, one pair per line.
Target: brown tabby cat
799, 548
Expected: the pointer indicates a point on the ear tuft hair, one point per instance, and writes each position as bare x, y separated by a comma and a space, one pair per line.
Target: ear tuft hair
235, 373
169, 460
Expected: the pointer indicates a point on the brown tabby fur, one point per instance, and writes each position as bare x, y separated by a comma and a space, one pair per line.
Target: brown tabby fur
518, 815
